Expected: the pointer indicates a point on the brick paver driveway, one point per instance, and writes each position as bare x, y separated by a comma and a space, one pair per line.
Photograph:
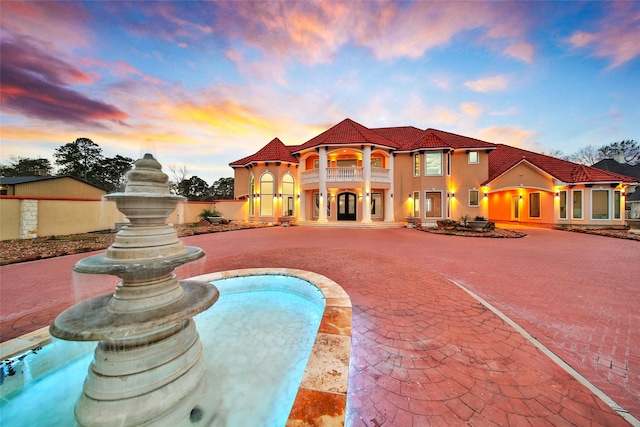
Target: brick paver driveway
424, 351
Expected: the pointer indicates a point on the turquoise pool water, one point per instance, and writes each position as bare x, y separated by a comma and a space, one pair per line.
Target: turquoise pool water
256, 342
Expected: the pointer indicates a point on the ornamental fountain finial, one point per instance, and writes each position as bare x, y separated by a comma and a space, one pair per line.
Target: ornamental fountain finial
148, 367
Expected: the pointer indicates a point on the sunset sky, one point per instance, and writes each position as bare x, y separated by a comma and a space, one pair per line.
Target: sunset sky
201, 84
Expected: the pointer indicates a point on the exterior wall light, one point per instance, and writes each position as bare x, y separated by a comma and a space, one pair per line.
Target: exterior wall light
557, 194
485, 195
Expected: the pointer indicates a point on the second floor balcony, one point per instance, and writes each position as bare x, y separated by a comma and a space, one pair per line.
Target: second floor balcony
345, 174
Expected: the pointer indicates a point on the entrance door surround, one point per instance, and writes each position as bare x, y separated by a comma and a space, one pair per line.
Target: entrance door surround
347, 206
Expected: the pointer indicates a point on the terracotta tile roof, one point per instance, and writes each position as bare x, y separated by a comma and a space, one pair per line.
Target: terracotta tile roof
505, 157
348, 132
435, 138
405, 136
274, 151
410, 138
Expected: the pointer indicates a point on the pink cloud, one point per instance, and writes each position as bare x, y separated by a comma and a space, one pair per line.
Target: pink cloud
123, 69
45, 21
522, 51
313, 32
488, 84
615, 36
34, 84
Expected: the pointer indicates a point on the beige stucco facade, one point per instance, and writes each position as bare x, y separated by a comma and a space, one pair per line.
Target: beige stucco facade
421, 176
529, 195
366, 184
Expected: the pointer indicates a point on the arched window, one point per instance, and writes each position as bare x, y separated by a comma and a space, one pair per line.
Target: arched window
266, 194
252, 191
288, 196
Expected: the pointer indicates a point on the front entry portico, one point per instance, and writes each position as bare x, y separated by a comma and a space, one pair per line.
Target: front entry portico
347, 203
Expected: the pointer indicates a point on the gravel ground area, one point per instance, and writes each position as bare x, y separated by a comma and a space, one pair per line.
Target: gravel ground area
497, 233
21, 250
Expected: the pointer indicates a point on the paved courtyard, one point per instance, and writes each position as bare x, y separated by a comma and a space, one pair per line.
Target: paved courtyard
424, 351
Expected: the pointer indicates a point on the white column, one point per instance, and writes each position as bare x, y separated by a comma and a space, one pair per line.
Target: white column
389, 210
302, 215
322, 215
366, 184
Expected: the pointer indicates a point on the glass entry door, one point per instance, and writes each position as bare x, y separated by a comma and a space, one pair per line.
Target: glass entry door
347, 206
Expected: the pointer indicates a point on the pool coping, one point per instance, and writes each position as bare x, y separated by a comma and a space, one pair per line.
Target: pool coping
322, 395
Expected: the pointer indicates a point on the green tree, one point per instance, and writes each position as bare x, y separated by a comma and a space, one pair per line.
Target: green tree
222, 189
628, 149
110, 174
194, 188
81, 159
23, 166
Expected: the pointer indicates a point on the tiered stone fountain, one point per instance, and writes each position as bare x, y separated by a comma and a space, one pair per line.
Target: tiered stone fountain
148, 368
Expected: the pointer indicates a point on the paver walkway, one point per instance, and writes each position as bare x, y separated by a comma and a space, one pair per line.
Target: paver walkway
424, 351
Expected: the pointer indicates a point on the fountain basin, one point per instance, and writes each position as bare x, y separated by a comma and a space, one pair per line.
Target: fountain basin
321, 393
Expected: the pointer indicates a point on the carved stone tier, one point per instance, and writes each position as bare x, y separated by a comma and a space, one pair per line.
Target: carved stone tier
148, 367
155, 379
92, 320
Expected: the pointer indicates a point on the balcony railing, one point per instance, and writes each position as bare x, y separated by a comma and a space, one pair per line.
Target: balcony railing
344, 175
380, 175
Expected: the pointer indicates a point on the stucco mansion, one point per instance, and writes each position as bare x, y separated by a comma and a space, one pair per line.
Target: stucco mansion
354, 173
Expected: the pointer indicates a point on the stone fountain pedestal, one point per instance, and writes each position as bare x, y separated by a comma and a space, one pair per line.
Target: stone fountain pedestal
148, 367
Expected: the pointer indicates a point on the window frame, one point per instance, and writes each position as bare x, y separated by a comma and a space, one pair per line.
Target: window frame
266, 199
416, 164
316, 205
573, 204
426, 199
416, 204
252, 190
477, 204
607, 203
563, 202
376, 205
477, 156
426, 161
538, 204
288, 198
617, 204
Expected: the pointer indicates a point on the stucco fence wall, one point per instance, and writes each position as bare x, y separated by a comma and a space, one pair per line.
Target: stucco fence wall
29, 217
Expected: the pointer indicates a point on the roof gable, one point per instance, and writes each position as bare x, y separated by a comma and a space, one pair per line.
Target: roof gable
348, 132
274, 151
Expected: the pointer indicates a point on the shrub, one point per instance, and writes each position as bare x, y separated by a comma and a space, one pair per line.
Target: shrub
464, 219
206, 213
480, 218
